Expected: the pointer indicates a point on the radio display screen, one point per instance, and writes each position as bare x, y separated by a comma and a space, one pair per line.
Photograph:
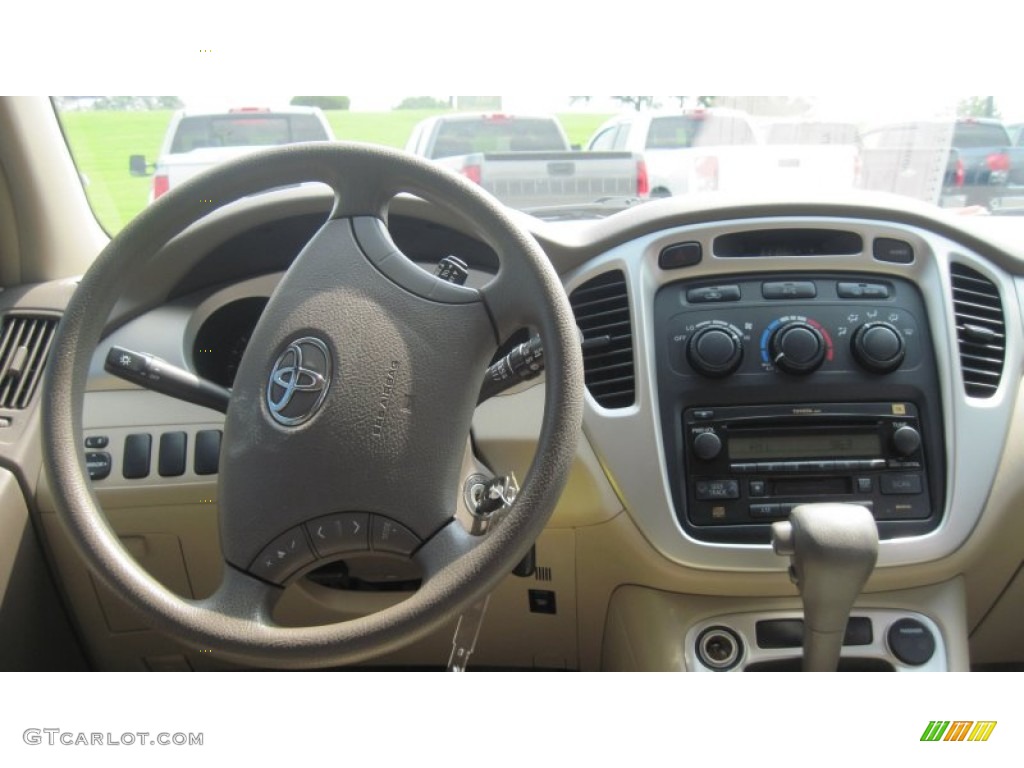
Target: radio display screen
807, 445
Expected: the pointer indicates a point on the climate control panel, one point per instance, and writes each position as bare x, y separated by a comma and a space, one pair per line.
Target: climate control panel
794, 341
828, 336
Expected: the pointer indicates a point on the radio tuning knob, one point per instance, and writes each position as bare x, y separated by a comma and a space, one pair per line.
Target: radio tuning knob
878, 347
715, 351
797, 347
906, 440
707, 445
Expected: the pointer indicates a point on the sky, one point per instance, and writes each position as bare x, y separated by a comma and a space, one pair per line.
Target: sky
880, 55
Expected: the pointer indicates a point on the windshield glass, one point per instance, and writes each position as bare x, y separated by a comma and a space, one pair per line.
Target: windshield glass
245, 130
699, 130
577, 156
495, 133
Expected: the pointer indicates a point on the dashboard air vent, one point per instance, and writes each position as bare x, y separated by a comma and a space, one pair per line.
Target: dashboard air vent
601, 307
24, 344
980, 330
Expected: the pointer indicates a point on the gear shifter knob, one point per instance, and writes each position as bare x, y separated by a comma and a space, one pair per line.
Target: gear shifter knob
833, 548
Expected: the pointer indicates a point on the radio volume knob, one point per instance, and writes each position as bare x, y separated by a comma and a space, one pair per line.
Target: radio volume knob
878, 347
707, 445
797, 347
715, 351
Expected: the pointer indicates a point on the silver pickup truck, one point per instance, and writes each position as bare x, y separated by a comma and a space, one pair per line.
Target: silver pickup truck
199, 139
526, 160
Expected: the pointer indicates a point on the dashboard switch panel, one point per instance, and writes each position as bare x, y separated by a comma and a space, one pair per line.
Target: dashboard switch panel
207, 458
98, 463
171, 458
137, 451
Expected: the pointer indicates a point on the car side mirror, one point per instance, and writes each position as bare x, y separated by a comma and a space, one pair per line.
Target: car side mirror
137, 165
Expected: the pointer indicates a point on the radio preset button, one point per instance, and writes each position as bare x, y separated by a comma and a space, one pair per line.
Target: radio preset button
766, 510
707, 445
715, 490
893, 484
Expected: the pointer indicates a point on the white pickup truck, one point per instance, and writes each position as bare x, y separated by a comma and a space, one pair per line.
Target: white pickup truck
723, 150
197, 140
526, 160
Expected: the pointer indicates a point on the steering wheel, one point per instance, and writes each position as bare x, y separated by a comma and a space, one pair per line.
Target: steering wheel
353, 402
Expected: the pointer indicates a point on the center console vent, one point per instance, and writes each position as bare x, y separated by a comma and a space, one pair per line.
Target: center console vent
601, 307
24, 344
980, 330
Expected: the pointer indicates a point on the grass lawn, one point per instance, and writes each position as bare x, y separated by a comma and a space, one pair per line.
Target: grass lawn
101, 142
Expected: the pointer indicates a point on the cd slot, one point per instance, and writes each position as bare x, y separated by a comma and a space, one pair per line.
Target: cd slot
810, 486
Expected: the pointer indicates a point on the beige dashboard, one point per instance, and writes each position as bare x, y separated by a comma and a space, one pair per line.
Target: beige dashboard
619, 582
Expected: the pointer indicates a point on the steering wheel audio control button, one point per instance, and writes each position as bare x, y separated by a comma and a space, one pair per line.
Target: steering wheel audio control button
283, 556
343, 532
389, 536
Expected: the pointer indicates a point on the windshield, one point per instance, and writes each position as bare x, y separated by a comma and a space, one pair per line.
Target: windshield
565, 157
700, 130
244, 130
495, 133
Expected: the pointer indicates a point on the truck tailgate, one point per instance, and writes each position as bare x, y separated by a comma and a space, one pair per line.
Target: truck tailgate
531, 179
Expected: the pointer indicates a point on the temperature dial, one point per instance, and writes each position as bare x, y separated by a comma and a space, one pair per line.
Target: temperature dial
797, 347
879, 347
715, 351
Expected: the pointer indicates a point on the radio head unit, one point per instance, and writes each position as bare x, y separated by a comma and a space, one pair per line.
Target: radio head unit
751, 464
822, 386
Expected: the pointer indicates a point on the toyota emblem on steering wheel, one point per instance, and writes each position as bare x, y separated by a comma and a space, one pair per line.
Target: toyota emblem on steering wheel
299, 381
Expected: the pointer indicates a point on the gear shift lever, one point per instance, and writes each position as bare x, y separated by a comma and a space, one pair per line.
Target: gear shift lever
833, 549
